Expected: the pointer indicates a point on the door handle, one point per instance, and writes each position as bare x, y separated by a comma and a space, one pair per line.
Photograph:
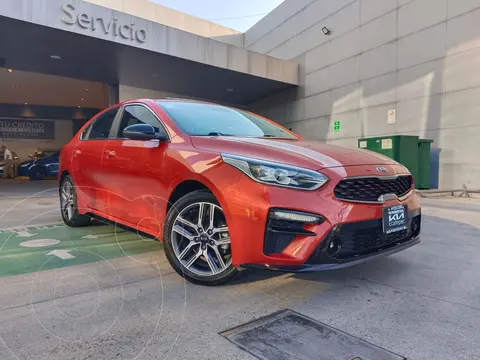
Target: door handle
76, 152
110, 153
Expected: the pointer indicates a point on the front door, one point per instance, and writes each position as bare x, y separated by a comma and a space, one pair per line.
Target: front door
87, 158
134, 172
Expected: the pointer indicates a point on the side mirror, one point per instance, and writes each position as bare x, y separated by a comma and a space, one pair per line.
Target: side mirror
143, 132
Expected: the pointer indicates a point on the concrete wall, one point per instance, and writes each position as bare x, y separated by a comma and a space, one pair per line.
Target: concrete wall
132, 93
160, 38
418, 57
173, 18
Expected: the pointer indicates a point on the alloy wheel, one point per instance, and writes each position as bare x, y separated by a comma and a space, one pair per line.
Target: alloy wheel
67, 200
200, 239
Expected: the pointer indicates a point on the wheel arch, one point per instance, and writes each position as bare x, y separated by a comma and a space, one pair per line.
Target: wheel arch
183, 188
62, 176
193, 184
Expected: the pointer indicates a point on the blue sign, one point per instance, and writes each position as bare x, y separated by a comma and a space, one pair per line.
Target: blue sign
27, 129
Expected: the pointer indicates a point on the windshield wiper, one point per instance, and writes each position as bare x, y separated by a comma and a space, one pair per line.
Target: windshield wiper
218, 134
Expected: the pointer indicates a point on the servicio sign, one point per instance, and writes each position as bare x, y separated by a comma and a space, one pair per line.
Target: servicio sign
107, 26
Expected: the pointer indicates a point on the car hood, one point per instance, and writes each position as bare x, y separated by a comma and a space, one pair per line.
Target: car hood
308, 154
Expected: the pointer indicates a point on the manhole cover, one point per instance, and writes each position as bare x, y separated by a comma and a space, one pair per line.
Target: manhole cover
289, 335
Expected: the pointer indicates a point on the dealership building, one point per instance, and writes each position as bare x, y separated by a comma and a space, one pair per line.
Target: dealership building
331, 70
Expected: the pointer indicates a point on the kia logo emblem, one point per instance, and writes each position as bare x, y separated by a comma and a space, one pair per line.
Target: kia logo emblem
382, 169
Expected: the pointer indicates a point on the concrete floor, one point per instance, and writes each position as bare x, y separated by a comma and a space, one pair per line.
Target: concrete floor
423, 303
27, 188
27, 202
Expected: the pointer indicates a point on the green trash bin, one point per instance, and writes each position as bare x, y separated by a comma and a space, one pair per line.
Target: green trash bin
424, 163
401, 148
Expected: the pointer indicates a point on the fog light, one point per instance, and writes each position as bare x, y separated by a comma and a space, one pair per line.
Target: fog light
335, 246
295, 216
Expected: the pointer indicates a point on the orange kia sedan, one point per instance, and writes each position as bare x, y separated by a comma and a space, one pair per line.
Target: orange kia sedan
224, 188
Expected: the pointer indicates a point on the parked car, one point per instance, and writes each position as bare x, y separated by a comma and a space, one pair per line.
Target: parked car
224, 188
43, 152
2, 162
44, 164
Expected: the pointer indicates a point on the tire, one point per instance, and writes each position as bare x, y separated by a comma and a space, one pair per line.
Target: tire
208, 245
68, 204
37, 173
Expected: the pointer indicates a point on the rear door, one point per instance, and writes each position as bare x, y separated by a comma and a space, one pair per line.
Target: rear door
133, 169
87, 158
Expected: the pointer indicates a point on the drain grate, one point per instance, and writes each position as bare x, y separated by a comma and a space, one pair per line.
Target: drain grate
288, 335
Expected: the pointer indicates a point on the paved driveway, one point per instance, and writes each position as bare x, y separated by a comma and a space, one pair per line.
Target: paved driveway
423, 303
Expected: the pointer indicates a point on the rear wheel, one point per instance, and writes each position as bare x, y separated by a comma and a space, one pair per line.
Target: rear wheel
68, 204
197, 240
37, 173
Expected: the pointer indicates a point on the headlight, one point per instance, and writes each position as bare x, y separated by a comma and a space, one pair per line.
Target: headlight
271, 173
25, 165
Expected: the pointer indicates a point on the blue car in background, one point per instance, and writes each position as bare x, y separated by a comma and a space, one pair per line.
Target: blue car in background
44, 163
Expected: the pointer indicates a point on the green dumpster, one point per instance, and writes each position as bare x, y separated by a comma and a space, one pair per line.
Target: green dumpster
424, 150
401, 148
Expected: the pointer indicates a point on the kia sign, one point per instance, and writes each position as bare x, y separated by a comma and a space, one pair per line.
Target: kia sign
27, 129
106, 26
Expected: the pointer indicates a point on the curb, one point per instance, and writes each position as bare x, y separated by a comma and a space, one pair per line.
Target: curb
449, 193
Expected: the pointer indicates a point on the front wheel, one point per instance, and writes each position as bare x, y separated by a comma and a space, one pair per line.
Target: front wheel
197, 240
68, 204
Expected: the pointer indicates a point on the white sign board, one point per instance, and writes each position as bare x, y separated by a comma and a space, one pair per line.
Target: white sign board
387, 144
392, 116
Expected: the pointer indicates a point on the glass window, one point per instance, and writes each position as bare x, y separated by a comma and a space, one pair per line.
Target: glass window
102, 125
199, 119
137, 114
84, 134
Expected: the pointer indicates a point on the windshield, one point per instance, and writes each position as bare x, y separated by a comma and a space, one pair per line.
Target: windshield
199, 119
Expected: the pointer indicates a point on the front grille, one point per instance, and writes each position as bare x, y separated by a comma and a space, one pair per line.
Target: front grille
366, 237
369, 189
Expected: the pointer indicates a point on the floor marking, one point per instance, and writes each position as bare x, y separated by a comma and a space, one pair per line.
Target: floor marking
39, 243
90, 236
62, 254
24, 233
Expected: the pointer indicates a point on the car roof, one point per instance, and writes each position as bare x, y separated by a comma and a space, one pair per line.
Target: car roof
169, 99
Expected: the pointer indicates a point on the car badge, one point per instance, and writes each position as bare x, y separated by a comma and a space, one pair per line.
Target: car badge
382, 169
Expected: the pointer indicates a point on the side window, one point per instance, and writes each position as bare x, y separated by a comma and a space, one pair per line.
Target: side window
84, 134
100, 129
137, 114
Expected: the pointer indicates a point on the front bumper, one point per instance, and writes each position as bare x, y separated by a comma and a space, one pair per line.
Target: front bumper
247, 204
362, 242
341, 264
